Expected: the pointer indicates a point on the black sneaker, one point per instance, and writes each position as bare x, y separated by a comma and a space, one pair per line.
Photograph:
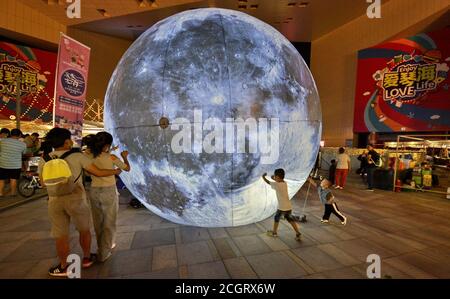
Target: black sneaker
89, 261
58, 271
136, 203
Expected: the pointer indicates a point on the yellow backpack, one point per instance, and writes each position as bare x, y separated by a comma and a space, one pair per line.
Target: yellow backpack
57, 175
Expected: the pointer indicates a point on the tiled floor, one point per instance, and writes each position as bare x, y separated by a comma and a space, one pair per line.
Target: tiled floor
409, 231
8, 202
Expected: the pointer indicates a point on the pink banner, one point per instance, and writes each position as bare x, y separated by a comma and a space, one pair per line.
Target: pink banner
71, 86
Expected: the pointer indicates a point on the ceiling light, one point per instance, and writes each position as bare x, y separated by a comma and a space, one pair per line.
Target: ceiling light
292, 4
289, 19
303, 4
103, 12
254, 6
242, 6
242, 1
141, 3
153, 3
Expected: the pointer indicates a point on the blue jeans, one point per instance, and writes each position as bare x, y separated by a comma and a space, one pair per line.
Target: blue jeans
370, 173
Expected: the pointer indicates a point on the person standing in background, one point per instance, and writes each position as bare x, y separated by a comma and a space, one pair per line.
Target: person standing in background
363, 165
4, 133
32, 142
11, 152
342, 168
332, 172
372, 158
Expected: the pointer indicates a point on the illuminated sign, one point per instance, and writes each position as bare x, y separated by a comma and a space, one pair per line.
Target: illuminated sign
403, 85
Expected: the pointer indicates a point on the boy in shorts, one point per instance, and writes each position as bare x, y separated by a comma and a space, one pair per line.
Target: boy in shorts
284, 204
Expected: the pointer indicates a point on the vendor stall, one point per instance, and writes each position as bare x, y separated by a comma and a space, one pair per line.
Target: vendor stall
420, 163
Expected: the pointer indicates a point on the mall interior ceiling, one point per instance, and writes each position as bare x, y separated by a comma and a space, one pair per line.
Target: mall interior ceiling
327, 33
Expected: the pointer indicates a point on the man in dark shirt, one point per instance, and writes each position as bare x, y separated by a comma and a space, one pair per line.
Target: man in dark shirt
332, 172
372, 159
363, 165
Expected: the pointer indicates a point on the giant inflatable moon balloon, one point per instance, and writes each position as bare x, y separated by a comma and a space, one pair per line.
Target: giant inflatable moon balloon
206, 101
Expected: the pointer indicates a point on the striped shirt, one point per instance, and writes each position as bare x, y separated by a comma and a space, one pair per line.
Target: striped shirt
11, 151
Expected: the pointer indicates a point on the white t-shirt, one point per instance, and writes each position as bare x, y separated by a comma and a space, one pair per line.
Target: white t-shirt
342, 161
284, 204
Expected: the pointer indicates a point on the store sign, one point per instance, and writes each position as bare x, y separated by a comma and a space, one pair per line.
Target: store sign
403, 85
34, 70
411, 78
73, 83
71, 87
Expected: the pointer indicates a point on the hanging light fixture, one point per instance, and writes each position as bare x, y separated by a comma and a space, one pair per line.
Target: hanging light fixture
153, 3
141, 3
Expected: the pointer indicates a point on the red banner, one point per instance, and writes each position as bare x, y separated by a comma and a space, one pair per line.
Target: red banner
71, 86
36, 70
403, 85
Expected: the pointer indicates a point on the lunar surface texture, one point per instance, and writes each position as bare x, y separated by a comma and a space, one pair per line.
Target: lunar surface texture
206, 101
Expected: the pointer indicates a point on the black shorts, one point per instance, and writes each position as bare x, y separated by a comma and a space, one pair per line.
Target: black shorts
6, 174
287, 215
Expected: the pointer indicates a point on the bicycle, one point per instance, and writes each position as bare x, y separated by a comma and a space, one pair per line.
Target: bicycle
29, 182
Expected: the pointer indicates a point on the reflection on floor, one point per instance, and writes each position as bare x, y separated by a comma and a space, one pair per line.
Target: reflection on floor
409, 231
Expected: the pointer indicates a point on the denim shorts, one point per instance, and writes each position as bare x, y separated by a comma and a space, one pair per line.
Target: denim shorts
287, 215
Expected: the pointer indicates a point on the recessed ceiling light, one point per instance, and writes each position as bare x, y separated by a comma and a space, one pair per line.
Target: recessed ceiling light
103, 12
130, 26
292, 4
254, 6
289, 19
242, 6
141, 3
242, 1
303, 4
